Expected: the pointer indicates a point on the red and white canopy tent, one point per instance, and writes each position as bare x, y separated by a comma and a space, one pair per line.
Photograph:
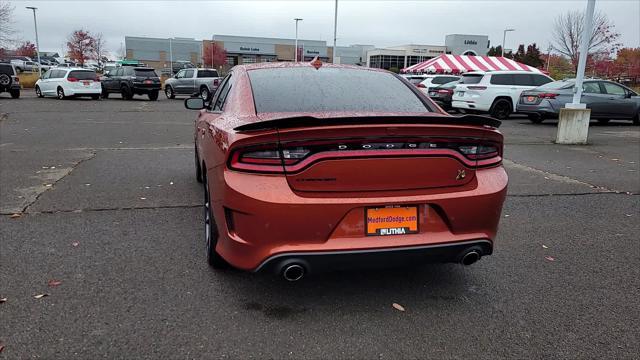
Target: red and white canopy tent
456, 64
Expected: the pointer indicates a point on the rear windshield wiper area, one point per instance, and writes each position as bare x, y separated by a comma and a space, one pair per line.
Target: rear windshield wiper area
310, 121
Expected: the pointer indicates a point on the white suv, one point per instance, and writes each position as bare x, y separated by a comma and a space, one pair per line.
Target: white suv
495, 92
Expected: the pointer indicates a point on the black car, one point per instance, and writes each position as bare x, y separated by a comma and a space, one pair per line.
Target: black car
442, 94
9, 82
129, 81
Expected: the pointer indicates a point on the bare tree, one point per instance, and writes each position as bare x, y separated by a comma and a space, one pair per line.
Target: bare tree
6, 24
568, 31
99, 45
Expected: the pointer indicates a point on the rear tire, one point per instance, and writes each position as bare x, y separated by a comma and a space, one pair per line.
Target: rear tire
60, 94
204, 93
105, 93
126, 92
198, 167
500, 109
636, 120
153, 96
95, 97
39, 92
15, 94
168, 91
211, 232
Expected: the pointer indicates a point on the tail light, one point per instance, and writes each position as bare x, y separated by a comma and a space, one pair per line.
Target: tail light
547, 96
421, 85
445, 91
270, 159
17, 79
72, 79
477, 87
97, 79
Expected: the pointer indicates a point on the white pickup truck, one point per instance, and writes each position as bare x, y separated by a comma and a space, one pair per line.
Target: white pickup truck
204, 82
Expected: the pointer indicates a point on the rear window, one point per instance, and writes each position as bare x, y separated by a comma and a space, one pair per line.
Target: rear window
444, 79
502, 79
207, 73
556, 85
305, 89
82, 74
146, 73
6, 69
471, 79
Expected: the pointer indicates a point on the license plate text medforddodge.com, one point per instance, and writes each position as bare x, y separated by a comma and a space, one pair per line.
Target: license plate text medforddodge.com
392, 220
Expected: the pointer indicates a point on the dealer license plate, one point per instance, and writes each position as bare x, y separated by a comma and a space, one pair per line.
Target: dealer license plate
460, 93
86, 83
391, 220
148, 82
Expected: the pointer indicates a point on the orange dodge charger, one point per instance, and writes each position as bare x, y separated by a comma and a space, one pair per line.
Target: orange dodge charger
310, 166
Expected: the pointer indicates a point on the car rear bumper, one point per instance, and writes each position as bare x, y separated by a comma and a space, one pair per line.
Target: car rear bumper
140, 89
81, 92
259, 219
469, 105
375, 258
540, 109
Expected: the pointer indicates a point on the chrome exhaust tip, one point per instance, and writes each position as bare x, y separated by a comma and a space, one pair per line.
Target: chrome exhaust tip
293, 272
470, 257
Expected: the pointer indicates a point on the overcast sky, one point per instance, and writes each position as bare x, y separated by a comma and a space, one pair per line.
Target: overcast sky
380, 23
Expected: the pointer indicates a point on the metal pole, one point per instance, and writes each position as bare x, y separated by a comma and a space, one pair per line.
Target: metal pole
35, 23
335, 33
584, 48
549, 56
295, 55
170, 58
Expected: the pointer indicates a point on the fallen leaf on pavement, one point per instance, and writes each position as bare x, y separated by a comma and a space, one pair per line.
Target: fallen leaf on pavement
40, 296
54, 283
550, 258
398, 307
48, 185
629, 215
546, 178
171, 183
3, 300
143, 198
16, 215
506, 215
75, 243
1, 347
544, 246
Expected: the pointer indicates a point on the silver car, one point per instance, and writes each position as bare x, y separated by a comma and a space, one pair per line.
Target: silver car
606, 99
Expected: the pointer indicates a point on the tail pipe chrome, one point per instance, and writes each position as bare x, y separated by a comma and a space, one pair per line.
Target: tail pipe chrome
470, 256
293, 272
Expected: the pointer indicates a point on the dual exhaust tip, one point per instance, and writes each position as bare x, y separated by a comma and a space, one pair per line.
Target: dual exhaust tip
296, 271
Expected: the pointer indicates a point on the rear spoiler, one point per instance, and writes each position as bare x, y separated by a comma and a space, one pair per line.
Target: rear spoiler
309, 121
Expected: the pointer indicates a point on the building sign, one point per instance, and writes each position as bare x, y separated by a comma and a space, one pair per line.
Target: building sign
470, 42
249, 48
320, 51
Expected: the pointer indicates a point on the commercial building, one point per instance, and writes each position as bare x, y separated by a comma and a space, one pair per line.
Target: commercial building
159, 52
406, 55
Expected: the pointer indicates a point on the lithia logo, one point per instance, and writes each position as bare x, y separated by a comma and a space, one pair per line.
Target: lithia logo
393, 231
470, 42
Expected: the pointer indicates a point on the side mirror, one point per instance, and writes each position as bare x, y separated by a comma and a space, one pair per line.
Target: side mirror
628, 95
194, 103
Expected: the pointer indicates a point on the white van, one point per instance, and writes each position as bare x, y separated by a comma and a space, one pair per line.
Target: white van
67, 82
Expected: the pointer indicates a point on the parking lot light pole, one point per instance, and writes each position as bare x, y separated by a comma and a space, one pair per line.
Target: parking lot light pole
170, 58
295, 55
504, 37
335, 32
584, 48
35, 23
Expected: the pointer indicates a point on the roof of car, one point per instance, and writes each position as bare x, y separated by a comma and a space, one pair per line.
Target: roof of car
274, 65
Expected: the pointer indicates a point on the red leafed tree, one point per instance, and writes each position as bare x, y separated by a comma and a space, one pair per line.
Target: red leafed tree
214, 55
27, 48
81, 46
628, 59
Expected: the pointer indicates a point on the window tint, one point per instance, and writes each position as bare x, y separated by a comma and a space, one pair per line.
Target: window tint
119, 72
306, 89
444, 79
188, 74
557, 85
540, 79
6, 69
146, 73
45, 75
471, 79
614, 89
128, 71
180, 74
222, 93
57, 74
207, 73
502, 79
522, 80
591, 88
415, 80
82, 75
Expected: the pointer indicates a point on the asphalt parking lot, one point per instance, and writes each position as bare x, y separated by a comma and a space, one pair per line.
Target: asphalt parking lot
112, 232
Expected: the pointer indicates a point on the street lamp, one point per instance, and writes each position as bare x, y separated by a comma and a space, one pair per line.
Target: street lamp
295, 56
335, 33
504, 37
35, 23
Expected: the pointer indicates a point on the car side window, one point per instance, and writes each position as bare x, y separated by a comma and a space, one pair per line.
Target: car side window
502, 79
540, 80
180, 74
522, 80
188, 74
614, 89
46, 75
222, 94
591, 88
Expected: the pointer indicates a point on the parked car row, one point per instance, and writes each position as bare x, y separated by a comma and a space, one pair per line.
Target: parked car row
125, 80
501, 93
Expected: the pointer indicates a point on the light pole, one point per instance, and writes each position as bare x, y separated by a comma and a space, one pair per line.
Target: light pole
170, 58
504, 37
582, 60
549, 56
35, 23
295, 56
335, 32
